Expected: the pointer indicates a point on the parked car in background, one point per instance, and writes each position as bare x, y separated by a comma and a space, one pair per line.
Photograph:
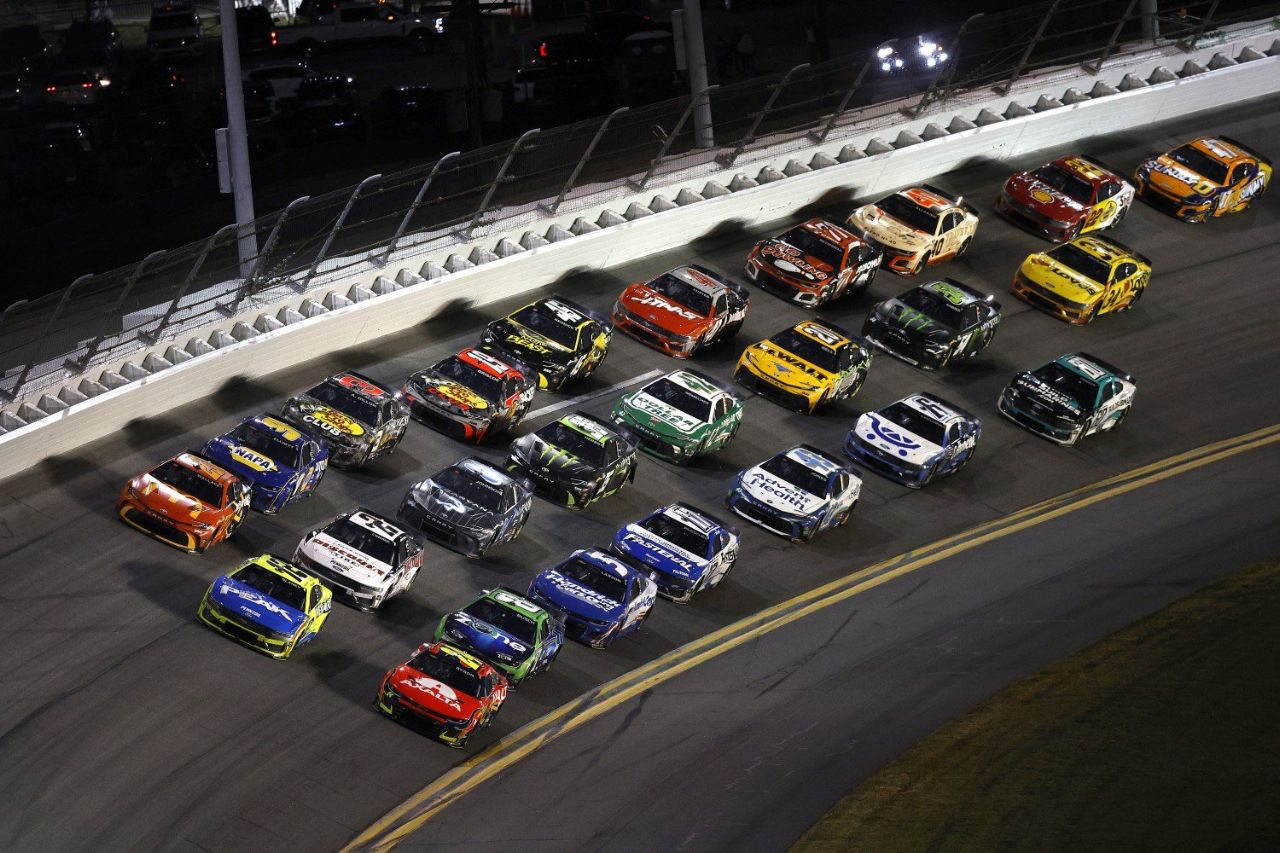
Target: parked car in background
90, 43
361, 23
77, 88
254, 28
175, 32
283, 76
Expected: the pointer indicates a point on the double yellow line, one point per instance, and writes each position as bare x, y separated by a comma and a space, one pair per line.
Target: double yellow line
410, 815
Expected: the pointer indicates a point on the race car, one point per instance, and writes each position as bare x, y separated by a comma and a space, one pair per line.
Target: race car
1209, 176
281, 464
470, 395
1079, 280
796, 493
362, 557
813, 263
916, 227
1066, 198
186, 502
508, 630
558, 339
680, 416
813, 363
1070, 397
915, 441
934, 324
471, 506
576, 460
355, 417
602, 599
443, 692
267, 604
682, 311
683, 549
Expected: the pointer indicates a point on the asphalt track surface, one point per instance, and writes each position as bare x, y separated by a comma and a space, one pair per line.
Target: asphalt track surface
125, 724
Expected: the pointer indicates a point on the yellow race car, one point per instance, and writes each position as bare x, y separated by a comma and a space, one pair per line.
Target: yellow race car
1081, 279
267, 604
1205, 177
812, 363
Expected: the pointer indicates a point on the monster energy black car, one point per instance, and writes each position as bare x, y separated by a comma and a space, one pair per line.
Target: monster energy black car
358, 419
576, 460
558, 339
935, 324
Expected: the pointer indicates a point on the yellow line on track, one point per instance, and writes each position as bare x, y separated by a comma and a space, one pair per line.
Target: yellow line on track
411, 815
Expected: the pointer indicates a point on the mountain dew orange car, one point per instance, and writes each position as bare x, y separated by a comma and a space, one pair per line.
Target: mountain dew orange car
1081, 279
1205, 177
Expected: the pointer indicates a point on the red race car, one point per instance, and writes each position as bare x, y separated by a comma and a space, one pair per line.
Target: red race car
813, 263
445, 691
682, 311
1066, 198
187, 502
470, 395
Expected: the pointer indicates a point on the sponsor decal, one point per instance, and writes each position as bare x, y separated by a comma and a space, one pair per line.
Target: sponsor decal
812, 460
1088, 368
893, 435
590, 429
784, 362
659, 549
460, 394
251, 459
530, 343
822, 334
788, 494
789, 259
951, 293
1042, 195
333, 422
657, 409
355, 383
255, 598
911, 318
653, 300
286, 432
503, 597
565, 314
582, 593
442, 693
482, 359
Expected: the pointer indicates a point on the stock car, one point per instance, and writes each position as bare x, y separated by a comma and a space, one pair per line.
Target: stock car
470, 395
355, 417
362, 557
508, 630
187, 502
267, 604
576, 460
602, 598
1081, 279
471, 506
806, 366
796, 493
934, 324
916, 227
1070, 397
558, 339
443, 691
1066, 198
281, 464
682, 311
813, 263
1209, 176
683, 549
915, 441
680, 416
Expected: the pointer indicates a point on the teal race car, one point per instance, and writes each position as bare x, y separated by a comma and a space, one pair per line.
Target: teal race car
680, 416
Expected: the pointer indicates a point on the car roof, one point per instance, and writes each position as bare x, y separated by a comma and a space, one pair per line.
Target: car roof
1104, 250
812, 457
831, 232
358, 383
700, 278
943, 287
204, 467
601, 560
508, 597
487, 363
928, 197
824, 326
1219, 149
589, 425
272, 424
482, 470
697, 382
1086, 169
281, 567
376, 523
935, 408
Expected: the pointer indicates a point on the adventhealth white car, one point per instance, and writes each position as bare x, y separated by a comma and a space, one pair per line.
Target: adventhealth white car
915, 440
796, 493
364, 558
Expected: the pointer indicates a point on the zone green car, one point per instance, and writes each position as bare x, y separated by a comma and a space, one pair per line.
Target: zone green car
680, 416
506, 629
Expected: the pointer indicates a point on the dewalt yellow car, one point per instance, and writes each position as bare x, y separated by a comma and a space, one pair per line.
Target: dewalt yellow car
267, 604
1081, 279
806, 366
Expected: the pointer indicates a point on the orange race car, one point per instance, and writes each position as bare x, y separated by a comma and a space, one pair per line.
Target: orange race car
1205, 177
187, 502
813, 263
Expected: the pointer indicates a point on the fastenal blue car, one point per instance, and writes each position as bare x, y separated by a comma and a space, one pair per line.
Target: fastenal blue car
1068, 398
915, 441
267, 604
601, 598
280, 463
684, 550
796, 493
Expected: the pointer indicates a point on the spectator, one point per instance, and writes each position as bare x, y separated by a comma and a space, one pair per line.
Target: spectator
745, 50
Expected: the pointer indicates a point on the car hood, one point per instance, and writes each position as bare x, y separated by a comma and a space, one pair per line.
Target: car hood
656, 553
646, 411
527, 344
247, 463
325, 419
443, 503
792, 263
662, 312
1035, 193
435, 696
1061, 279
886, 230
342, 559
574, 598
1031, 385
165, 500
450, 394
879, 432
486, 639
913, 323
1170, 175
536, 453
777, 493
247, 602
785, 368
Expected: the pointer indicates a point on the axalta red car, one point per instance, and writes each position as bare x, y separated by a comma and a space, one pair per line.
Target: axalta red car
445, 691
683, 310
470, 395
1066, 198
813, 263
187, 502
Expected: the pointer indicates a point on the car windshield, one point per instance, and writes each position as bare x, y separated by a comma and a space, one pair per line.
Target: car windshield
189, 482
806, 348
573, 442
908, 212
677, 533
1068, 382
446, 669
489, 387
186, 21
1199, 162
682, 292
1082, 262
470, 488
594, 578
797, 474
682, 399
1072, 186
363, 539
348, 402
934, 307
269, 444
509, 621
900, 414
273, 585
542, 320
814, 246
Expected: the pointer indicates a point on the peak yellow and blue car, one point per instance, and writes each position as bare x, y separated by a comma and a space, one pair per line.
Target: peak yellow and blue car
1209, 176
806, 366
267, 604
1081, 279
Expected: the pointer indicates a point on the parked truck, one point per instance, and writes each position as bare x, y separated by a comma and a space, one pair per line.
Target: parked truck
362, 22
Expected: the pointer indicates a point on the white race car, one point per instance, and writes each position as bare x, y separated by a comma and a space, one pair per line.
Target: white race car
363, 557
915, 440
796, 493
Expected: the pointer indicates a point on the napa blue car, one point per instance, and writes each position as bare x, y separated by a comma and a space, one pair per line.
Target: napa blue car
280, 463
684, 550
601, 598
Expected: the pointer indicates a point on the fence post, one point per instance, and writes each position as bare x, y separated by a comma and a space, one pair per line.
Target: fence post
671, 137
1031, 45
497, 179
942, 81
79, 365
1188, 44
1096, 66
582, 161
820, 136
5, 395
413, 208
337, 225
153, 338
44, 335
727, 160
262, 256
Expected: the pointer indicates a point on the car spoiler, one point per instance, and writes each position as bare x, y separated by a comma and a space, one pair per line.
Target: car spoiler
1105, 365
1246, 149
1122, 247
557, 613
712, 518
838, 329
710, 380
957, 200
1102, 164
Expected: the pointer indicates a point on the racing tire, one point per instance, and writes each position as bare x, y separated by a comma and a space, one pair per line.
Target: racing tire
732, 331
1093, 312
923, 262
964, 462
1119, 420
1133, 300
964, 247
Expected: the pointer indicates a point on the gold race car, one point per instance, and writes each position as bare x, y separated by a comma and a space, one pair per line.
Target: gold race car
1081, 279
1205, 177
812, 363
916, 227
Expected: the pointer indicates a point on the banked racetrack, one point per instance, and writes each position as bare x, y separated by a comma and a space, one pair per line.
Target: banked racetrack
125, 724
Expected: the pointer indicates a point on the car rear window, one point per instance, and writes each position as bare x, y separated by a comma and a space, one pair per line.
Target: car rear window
912, 421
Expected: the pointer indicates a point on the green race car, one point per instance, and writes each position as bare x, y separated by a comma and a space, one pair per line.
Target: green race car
680, 416
506, 629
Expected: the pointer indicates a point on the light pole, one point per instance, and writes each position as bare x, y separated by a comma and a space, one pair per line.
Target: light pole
238, 139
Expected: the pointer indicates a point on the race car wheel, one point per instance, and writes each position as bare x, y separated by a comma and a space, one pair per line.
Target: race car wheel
923, 262
965, 461
1118, 420
964, 247
1093, 312
732, 331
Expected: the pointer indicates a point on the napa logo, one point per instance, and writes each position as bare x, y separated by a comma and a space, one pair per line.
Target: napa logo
252, 459
888, 432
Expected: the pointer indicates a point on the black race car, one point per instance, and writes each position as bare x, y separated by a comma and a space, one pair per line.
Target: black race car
355, 417
576, 460
469, 506
934, 324
1070, 397
558, 339
469, 395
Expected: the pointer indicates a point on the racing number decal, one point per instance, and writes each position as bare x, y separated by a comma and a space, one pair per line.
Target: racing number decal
1100, 216
824, 335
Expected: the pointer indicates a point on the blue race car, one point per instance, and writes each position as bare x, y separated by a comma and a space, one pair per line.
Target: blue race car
601, 598
508, 630
915, 440
683, 549
796, 493
268, 604
280, 463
